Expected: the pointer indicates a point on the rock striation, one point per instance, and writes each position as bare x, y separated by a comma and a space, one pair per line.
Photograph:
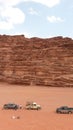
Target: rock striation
36, 61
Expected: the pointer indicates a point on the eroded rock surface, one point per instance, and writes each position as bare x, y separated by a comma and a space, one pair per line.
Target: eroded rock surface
36, 61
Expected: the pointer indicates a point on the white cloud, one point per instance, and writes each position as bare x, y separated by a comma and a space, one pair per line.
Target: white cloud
10, 2
5, 25
10, 15
33, 12
49, 3
13, 15
53, 19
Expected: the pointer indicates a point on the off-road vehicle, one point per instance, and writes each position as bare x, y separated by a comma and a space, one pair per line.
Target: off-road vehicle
64, 109
11, 106
32, 106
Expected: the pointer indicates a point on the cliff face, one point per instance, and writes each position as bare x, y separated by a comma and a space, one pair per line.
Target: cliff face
36, 61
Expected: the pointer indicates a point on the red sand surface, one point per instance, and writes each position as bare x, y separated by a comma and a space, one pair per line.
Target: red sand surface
44, 119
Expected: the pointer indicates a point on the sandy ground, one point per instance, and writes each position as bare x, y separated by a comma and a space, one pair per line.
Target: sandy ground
44, 119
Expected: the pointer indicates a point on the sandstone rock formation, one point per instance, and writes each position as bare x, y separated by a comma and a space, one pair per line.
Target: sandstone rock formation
36, 61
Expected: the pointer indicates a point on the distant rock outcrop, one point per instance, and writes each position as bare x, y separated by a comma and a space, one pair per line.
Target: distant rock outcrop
36, 61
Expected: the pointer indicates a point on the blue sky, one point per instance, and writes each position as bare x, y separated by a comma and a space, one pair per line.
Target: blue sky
37, 18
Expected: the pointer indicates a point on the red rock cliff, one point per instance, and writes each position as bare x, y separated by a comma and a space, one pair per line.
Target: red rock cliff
36, 61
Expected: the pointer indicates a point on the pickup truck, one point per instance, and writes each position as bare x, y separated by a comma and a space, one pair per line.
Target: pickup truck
32, 106
64, 109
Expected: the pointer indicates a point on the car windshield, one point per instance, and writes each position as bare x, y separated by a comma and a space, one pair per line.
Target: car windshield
65, 107
10, 104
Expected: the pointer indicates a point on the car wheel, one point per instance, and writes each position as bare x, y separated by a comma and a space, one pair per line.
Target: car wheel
69, 112
29, 108
59, 112
15, 108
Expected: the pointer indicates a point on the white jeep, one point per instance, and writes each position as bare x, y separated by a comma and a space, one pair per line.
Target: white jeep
32, 106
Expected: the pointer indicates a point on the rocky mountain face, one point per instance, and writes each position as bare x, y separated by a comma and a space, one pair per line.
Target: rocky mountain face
36, 61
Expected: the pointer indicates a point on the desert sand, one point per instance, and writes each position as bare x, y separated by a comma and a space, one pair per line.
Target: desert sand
44, 119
